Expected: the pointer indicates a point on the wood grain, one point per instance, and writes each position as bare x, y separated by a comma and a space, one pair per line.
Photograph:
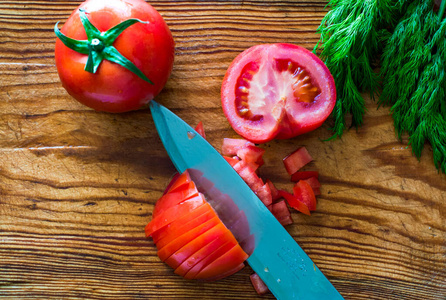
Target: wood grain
77, 187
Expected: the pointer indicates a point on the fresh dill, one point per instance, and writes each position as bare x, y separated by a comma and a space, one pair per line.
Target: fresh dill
406, 39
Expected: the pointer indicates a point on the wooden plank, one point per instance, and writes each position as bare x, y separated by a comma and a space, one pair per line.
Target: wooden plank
77, 187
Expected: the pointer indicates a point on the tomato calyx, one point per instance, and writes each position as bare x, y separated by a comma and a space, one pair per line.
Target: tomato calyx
99, 45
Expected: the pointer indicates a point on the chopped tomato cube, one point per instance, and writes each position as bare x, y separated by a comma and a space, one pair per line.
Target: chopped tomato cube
299, 175
231, 146
296, 160
280, 209
304, 192
231, 160
251, 154
200, 129
294, 202
287, 220
258, 284
313, 182
274, 192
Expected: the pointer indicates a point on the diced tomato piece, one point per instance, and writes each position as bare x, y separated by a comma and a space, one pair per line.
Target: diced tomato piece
231, 160
180, 221
170, 199
167, 250
299, 175
264, 194
274, 192
179, 182
313, 182
303, 191
294, 202
317, 191
251, 154
230, 260
169, 215
200, 129
218, 231
173, 233
296, 160
202, 253
231, 146
280, 209
287, 220
258, 284
210, 258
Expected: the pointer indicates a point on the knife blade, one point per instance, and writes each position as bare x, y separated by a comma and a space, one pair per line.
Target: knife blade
280, 262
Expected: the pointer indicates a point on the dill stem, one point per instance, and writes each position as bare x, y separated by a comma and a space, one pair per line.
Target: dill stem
442, 9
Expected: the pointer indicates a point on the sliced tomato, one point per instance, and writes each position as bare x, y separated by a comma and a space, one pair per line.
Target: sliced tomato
167, 250
294, 202
210, 258
202, 253
179, 182
280, 209
180, 222
231, 146
296, 160
200, 129
299, 175
169, 215
177, 228
170, 199
231, 261
217, 232
304, 192
226, 273
277, 91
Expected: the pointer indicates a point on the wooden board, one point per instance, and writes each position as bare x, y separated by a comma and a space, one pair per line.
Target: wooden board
77, 187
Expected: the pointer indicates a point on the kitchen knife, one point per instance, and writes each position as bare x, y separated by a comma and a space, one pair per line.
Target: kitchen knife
275, 256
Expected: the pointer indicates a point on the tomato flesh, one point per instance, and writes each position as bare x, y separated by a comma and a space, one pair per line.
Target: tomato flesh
176, 197
277, 91
304, 192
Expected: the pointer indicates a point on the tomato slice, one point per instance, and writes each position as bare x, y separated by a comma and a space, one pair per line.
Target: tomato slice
177, 228
296, 160
167, 250
216, 232
210, 258
304, 192
179, 182
277, 91
231, 261
202, 253
170, 199
181, 221
294, 202
169, 215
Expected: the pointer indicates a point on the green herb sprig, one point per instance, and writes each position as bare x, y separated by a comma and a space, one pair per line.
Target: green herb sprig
413, 71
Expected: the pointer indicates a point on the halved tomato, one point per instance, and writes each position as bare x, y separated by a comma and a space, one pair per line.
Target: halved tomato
277, 91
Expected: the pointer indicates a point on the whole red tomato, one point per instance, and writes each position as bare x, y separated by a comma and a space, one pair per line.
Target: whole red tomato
114, 71
277, 91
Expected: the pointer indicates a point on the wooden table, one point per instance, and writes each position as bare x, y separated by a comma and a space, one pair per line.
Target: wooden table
77, 187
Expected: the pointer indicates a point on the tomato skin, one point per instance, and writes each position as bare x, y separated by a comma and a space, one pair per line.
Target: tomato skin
113, 88
257, 77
